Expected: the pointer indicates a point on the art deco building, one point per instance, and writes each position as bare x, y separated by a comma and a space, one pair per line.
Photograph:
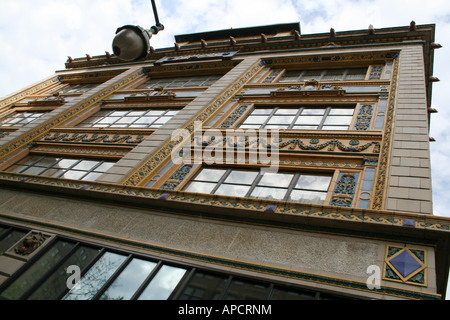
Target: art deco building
253, 163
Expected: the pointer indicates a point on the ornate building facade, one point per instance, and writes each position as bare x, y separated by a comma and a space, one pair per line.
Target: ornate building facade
254, 163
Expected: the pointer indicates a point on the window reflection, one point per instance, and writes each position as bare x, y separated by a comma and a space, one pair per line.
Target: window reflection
126, 284
56, 284
37, 270
163, 283
96, 277
298, 187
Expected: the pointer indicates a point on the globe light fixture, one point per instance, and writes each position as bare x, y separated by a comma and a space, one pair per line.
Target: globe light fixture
133, 42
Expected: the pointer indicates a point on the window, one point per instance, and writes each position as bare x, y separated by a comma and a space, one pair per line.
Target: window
78, 88
20, 119
144, 118
285, 186
196, 81
324, 75
310, 118
67, 168
121, 275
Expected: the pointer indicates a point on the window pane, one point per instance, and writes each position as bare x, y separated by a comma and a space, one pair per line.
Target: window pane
246, 290
313, 182
256, 120
309, 111
66, 163
241, 177
309, 120
118, 113
262, 111
52, 172
204, 286
34, 273
56, 284
86, 165
232, 190
10, 240
201, 187
92, 176
212, 175
268, 193
47, 161
104, 167
311, 75
145, 120
307, 196
96, 277
33, 170
286, 111
129, 280
338, 120
71, 174
163, 283
341, 111
281, 119
276, 180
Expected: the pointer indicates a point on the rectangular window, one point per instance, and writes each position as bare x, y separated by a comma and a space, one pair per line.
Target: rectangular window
138, 118
48, 166
300, 118
196, 81
20, 119
324, 75
79, 88
285, 186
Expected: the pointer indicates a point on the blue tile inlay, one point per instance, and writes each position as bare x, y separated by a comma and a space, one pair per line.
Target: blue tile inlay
405, 263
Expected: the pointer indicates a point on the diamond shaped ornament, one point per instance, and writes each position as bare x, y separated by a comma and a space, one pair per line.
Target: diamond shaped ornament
405, 263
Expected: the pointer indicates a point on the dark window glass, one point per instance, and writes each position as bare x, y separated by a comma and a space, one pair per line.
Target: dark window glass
292, 294
37, 270
247, 290
56, 284
204, 286
10, 239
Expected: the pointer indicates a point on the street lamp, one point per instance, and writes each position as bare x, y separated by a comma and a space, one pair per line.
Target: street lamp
133, 42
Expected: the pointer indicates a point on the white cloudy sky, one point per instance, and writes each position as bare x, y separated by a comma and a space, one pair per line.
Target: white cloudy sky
37, 36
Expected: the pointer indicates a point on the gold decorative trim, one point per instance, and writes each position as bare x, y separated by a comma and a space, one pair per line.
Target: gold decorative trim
160, 156
13, 99
66, 116
380, 187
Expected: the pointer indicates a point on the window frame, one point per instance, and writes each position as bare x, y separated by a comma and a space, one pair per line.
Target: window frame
124, 108
57, 159
298, 114
257, 180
